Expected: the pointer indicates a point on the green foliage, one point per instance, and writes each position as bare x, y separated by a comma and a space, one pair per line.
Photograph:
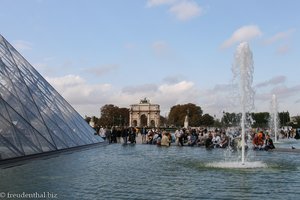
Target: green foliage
231, 119
163, 121
207, 120
296, 123
177, 114
87, 119
284, 118
218, 123
112, 115
260, 119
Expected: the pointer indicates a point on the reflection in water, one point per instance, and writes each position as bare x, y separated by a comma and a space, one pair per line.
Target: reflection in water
150, 172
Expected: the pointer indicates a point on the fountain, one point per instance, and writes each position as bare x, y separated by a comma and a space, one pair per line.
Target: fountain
243, 74
274, 119
243, 77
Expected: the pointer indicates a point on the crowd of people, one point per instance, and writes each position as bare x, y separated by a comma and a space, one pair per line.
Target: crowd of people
114, 134
262, 141
209, 138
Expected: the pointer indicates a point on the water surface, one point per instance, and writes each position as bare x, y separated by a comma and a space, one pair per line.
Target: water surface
149, 172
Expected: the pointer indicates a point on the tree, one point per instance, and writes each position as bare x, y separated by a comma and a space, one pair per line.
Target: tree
218, 123
163, 121
284, 118
296, 121
87, 119
112, 115
207, 120
260, 119
177, 114
230, 119
124, 116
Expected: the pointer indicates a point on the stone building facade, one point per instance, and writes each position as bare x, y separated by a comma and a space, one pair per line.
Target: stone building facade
144, 114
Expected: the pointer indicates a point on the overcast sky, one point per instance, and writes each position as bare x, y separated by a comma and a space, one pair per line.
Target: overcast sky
97, 52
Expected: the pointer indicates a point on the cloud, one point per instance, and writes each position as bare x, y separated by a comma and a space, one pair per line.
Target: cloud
285, 96
279, 36
99, 71
218, 99
222, 87
166, 95
40, 66
178, 93
186, 10
285, 91
242, 34
183, 10
176, 88
65, 81
44, 68
273, 81
153, 3
145, 88
283, 39
22, 45
77, 91
173, 79
88, 98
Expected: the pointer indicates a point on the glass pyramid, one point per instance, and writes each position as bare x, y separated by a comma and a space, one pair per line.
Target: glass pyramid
34, 117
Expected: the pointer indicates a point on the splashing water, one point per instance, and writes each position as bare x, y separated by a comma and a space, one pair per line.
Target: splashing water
274, 119
243, 77
237, 165
243, 74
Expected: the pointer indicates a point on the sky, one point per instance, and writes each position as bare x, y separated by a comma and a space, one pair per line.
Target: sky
99, 52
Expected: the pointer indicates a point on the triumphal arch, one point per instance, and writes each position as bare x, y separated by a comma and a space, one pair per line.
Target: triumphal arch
144, 114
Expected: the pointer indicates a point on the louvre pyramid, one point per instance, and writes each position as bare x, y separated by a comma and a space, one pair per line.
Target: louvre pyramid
34, 117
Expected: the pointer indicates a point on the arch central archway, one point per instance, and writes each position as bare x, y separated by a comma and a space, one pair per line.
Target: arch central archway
144, 114
144, 120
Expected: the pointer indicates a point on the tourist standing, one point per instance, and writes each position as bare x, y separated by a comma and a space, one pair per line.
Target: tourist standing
114, 135
165, 140
108, 134
181, 137
144, 135
132, 135
124, 135
119, 134
177, 136
102, 133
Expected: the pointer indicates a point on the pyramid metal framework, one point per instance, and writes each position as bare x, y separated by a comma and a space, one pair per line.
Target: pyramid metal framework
34, 117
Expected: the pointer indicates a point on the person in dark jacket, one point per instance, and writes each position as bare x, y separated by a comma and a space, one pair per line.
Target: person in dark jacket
208, 142
132, 135
269, 143
124, 135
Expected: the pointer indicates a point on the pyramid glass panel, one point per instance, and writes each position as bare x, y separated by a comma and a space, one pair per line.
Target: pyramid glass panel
34, 117
9, 136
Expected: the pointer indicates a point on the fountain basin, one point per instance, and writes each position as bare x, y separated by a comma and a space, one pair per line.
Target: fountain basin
150, 172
